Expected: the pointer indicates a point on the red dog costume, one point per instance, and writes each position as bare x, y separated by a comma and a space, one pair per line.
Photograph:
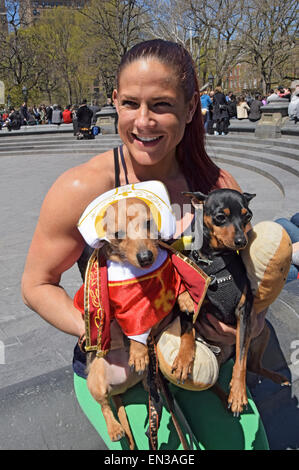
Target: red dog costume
137, 299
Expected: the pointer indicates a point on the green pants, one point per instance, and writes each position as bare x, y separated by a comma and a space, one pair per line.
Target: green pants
213, 427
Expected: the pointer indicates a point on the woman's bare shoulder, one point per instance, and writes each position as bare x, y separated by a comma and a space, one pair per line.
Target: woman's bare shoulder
78, 186
226, 180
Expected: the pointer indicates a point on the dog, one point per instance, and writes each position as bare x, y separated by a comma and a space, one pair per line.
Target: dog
129, 245
226, 215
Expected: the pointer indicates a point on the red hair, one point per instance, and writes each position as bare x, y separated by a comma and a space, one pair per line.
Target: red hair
200, 171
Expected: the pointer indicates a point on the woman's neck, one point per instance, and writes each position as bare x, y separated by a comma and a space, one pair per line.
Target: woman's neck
166, 170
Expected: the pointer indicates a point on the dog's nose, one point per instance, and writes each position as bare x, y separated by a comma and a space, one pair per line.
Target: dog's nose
240, 242
145, 258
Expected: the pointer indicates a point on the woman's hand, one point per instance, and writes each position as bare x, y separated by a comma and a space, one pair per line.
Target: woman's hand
216, 331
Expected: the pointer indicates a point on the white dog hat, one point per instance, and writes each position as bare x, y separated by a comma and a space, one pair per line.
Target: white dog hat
153, 193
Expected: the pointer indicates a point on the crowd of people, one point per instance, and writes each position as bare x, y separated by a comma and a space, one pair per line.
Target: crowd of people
218, 108
14, 119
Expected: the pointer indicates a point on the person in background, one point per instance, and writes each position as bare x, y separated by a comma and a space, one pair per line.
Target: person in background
284, 92
56, 115
210, 125
293, 108
14, 120
74, 110
43, 114
206, 103
232, 107
242, 108
292, 228
274, 95
67, 115
255, 109
220, 112
24, 113
84, 115
49, 112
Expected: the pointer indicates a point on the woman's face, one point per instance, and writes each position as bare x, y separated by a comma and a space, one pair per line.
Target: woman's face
152, 111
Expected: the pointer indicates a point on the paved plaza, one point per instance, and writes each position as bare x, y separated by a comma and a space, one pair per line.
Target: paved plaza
36, 358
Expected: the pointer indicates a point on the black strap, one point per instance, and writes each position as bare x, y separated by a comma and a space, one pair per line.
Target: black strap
157, 384
123, 163
155, 400
116, 168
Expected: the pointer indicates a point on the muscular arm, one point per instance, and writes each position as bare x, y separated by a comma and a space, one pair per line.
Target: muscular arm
56, 246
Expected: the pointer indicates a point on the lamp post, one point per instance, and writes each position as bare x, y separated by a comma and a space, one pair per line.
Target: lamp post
8, 101
25, 93
211, 80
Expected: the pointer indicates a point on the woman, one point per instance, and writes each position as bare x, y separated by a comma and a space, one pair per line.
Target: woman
220, 112
242, 108
160, 124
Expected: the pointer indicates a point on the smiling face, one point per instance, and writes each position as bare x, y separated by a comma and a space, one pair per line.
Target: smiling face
152, 111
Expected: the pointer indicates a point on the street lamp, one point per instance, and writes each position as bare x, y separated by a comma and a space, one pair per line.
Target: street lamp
211, 80
25, 93
8, 101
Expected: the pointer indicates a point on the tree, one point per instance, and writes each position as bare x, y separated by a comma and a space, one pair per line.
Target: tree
112, 27
18, 60
208, 28
268, 34
215, 23
62, 55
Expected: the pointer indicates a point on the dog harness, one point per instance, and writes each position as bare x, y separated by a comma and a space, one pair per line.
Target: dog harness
229, 279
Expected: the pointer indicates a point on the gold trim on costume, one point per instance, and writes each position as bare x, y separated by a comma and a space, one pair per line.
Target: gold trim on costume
196, 268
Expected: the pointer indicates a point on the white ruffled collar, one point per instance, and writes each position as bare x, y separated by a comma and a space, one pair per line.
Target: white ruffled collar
124, 271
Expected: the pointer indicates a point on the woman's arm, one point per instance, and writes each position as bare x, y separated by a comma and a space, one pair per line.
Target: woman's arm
56, 246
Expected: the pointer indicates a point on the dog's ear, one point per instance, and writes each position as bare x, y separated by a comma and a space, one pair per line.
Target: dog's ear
248, 196
197, 198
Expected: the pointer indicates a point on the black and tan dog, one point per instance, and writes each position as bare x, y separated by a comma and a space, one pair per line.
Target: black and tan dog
226, 215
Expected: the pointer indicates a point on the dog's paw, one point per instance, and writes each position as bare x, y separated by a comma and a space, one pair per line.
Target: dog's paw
237, 398
186, 302
115, 430
182, 367
138, 357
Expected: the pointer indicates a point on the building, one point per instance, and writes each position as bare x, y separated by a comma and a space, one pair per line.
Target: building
3, 18
241, 78
31, 10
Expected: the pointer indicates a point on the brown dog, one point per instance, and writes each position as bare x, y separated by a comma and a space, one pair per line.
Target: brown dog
129, 226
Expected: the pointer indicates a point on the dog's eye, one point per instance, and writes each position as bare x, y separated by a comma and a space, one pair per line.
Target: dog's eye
120, 235
247, 218
220, 218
